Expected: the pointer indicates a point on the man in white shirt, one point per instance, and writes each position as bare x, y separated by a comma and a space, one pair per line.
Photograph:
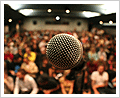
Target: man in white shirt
100, 81
24, 83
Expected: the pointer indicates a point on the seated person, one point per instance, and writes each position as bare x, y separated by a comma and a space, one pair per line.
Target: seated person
45, 66
24, 83
30, 67
66, 84
8, 83
100, 81
92, 54
29, 54
47, 85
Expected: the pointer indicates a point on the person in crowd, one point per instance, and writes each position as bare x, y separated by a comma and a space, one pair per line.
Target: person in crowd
47, 85
111, 62
35, 48
30, 54
44, 68
86, 46
25, 45
52, 70
66, 84
92, 54
101, 61
100, 81
8, 56
84, 38
42, 43
92, 66
30, 67
35, 52
101, 52
20, 53
8, 83
14, 66
24, 83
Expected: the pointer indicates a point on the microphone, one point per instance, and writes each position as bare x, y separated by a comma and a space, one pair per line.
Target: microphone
64, 52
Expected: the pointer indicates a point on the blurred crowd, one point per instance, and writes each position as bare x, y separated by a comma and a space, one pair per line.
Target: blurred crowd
28, 71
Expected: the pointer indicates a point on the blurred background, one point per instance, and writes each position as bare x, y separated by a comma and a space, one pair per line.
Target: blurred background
29, 27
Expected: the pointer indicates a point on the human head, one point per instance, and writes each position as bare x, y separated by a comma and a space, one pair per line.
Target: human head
34, 46
21, 73
111, 57
93, 49
25, 45
45, 60
42, 79
8, 51
100, 69
25, 60
28, 50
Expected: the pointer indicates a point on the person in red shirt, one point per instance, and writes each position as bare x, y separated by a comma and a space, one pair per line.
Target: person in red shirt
8, 56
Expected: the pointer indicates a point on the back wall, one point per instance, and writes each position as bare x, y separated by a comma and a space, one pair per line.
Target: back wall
78, 24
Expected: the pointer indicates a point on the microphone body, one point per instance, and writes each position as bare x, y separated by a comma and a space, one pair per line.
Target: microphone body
64, 51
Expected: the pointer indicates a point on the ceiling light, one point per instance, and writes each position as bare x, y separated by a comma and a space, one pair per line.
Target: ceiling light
49, 10
15, 6
89, 14
101, 22
110, 22
67, 11
108, 8
57, 17
26, 11
10, 20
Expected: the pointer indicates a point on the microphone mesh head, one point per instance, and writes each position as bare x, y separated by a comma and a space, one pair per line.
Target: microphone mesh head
64, 51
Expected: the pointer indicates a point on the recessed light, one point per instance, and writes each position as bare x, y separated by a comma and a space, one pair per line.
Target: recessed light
10, 20
67, 11
101, 22
110, 22
49, 10
57, 17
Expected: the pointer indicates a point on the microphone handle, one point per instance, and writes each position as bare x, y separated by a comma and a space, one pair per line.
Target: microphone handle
79, 67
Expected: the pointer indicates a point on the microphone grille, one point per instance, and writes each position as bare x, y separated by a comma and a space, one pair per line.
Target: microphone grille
64, 51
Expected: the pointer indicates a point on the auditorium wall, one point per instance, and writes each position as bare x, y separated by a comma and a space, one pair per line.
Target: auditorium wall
78, 24
110, 30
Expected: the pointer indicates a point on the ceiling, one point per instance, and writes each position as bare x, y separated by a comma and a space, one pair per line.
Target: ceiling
105, 12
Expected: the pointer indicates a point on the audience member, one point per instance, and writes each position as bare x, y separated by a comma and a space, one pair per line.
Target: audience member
101, 52
65, 84
30, 67
111, 62
45, 66
29, 54
8, 56
32, 46
8, 83
100, 81
25, 84
47, 85
92, 54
